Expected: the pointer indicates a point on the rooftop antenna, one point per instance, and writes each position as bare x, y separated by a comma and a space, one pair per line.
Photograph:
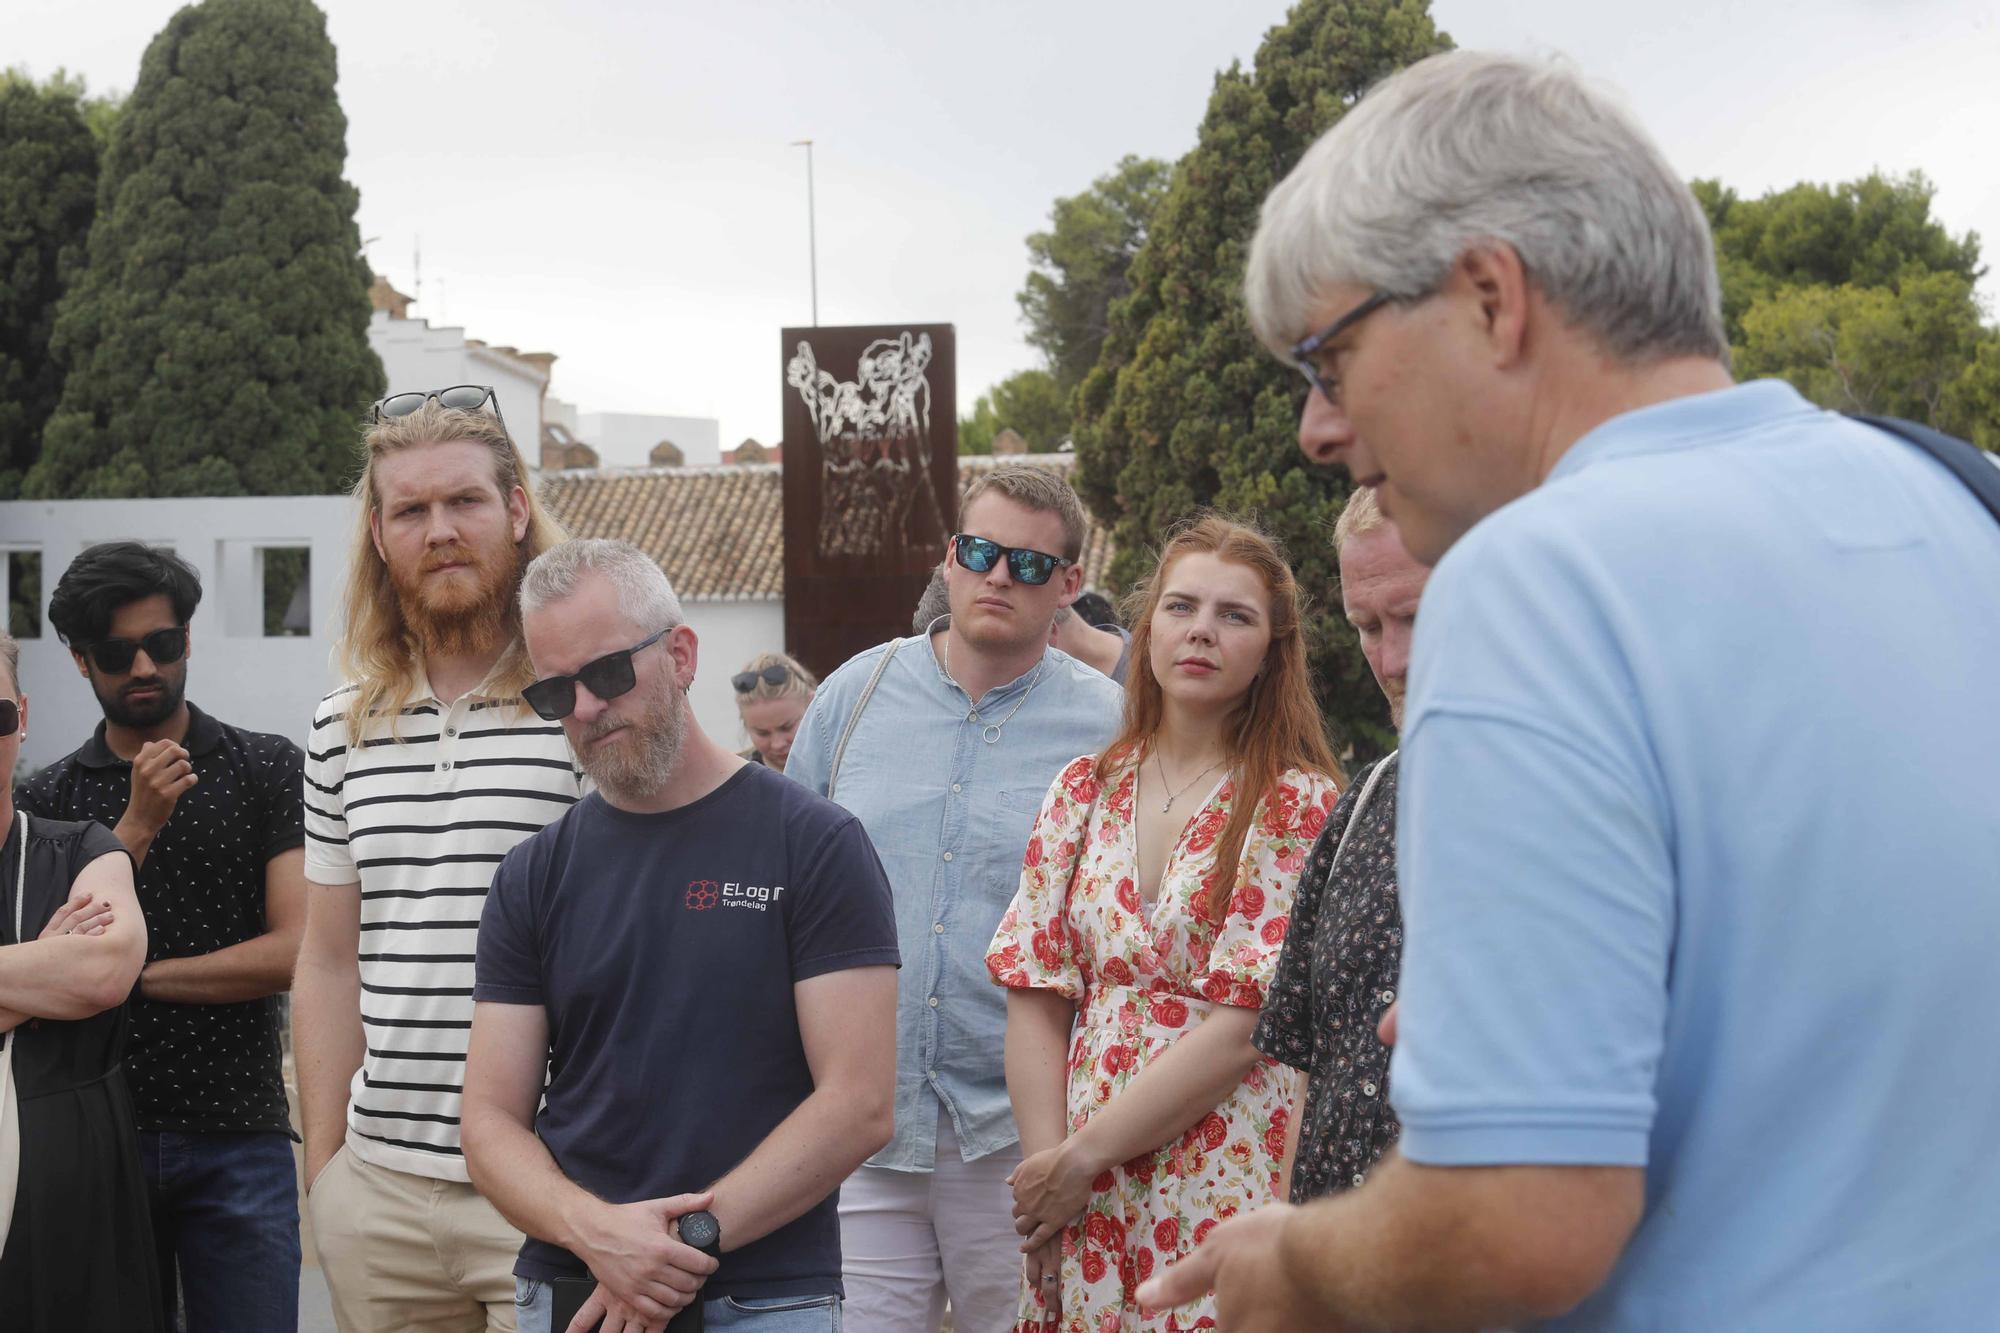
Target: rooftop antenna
417, 263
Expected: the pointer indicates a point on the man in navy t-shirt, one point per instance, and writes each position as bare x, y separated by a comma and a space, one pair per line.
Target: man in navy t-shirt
702, 954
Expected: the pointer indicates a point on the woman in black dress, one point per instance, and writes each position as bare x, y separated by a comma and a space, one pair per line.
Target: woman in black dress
79, 1247
1343, 953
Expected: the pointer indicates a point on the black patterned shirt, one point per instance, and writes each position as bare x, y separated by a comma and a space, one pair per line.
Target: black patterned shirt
1336, 978
198, 1068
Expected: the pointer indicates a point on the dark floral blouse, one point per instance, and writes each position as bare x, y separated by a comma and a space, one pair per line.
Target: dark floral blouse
1336, 978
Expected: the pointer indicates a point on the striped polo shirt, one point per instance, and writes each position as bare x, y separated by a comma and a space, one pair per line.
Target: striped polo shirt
421, 821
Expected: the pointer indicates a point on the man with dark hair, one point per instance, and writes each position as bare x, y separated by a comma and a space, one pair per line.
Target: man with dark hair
944, 745
211, 814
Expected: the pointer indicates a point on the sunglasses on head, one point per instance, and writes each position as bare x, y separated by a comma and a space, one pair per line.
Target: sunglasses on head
465, 397
165, 646
746, 681
980, 555
554, 697
10, 717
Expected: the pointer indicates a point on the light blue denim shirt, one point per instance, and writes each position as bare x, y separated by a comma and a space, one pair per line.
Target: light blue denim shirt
950, 816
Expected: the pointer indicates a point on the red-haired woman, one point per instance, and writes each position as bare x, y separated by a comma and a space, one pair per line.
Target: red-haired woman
1152, 905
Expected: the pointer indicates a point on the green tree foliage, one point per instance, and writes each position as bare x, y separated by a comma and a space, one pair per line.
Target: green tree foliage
1860, 298
48, 189
1184, 409
1027, 403
217, 342
1078, 268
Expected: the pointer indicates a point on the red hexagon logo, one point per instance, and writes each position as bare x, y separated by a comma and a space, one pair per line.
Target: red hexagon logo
703, 894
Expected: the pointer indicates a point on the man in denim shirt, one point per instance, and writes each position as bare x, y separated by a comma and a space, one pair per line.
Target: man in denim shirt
944, 745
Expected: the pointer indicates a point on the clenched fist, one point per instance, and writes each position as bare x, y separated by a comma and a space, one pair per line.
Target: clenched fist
160, 775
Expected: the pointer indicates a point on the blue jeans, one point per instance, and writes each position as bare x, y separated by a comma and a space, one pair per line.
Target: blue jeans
226, 1228
765, 1314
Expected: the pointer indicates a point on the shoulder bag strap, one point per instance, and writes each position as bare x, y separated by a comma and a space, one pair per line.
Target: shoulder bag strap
1361, 804
847, 732
1979, 470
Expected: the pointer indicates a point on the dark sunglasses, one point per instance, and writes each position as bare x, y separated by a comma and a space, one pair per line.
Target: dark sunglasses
746, 681
165, 646
10, 717
1302, 354
465, 397
980, 555
554, 697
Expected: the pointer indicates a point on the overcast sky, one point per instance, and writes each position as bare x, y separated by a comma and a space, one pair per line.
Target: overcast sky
612, 181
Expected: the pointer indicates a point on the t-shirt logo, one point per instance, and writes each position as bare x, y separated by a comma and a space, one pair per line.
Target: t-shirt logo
703, 894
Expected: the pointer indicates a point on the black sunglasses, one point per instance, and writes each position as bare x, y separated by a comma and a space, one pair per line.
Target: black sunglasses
746, 681
554, 697
165, 646
10, 717
980, 555
1302, 353
465, 397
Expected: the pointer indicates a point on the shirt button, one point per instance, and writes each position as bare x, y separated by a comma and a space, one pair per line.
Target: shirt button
938, 929
956, 787
947, 855
1389, 995
933, 1001
972, 717
445, 765
451, 731
1368, 1088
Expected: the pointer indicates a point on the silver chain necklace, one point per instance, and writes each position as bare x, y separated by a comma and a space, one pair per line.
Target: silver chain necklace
1161, 768
990, 733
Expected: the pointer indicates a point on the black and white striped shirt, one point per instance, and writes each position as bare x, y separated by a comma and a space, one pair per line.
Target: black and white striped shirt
421, 822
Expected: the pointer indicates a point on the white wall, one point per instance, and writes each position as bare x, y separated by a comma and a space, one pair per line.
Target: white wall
626, 439
417, 358
234, 672
730, 634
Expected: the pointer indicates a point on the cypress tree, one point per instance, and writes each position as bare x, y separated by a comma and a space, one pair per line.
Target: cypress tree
217, 342
48, 189
1184, 408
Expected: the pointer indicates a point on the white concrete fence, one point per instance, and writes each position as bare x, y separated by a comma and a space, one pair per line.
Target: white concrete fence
237, 671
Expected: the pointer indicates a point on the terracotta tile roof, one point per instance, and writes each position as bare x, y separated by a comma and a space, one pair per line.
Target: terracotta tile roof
719, 531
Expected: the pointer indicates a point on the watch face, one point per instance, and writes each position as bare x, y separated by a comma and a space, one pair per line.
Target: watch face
701, 1230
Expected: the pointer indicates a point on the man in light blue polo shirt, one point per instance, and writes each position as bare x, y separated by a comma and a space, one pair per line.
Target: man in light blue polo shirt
1700, 825
944, 745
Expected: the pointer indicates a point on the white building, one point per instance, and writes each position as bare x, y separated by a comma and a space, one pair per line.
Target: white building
628, 439
418, 358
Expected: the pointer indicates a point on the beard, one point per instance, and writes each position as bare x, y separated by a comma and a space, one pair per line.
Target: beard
123, 711
460, 616
642, 761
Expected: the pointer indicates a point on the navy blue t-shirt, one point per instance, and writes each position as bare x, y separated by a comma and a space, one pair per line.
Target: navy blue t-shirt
664, 948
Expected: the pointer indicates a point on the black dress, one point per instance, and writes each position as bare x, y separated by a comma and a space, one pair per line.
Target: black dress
79, 1251
1336, 978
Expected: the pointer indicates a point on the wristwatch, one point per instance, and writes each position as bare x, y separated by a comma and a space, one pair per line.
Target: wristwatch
699, 1230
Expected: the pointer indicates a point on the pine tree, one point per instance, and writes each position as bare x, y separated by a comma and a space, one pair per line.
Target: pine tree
1184, 408
217, 342
48, 190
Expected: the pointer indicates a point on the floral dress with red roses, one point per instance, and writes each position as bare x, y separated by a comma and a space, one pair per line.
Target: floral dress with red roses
1142, 979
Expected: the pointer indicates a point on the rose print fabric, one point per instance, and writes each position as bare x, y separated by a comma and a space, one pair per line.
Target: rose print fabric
1142, 979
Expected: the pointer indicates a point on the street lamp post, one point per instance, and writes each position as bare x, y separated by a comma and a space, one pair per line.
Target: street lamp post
812, 234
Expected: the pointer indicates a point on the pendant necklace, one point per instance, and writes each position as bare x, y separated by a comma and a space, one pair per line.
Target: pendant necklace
1168, 804
990, 733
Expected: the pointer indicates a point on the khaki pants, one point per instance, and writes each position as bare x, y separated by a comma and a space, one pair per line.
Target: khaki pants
408, 1254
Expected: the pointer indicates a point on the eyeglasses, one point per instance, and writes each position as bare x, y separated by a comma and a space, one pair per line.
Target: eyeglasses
165, 646
980, 555
465, 397
1302, 354
554, 697
10, 717
746, 681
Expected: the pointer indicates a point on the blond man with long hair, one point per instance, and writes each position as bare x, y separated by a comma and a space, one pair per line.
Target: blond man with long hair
1153, 902
422, 772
